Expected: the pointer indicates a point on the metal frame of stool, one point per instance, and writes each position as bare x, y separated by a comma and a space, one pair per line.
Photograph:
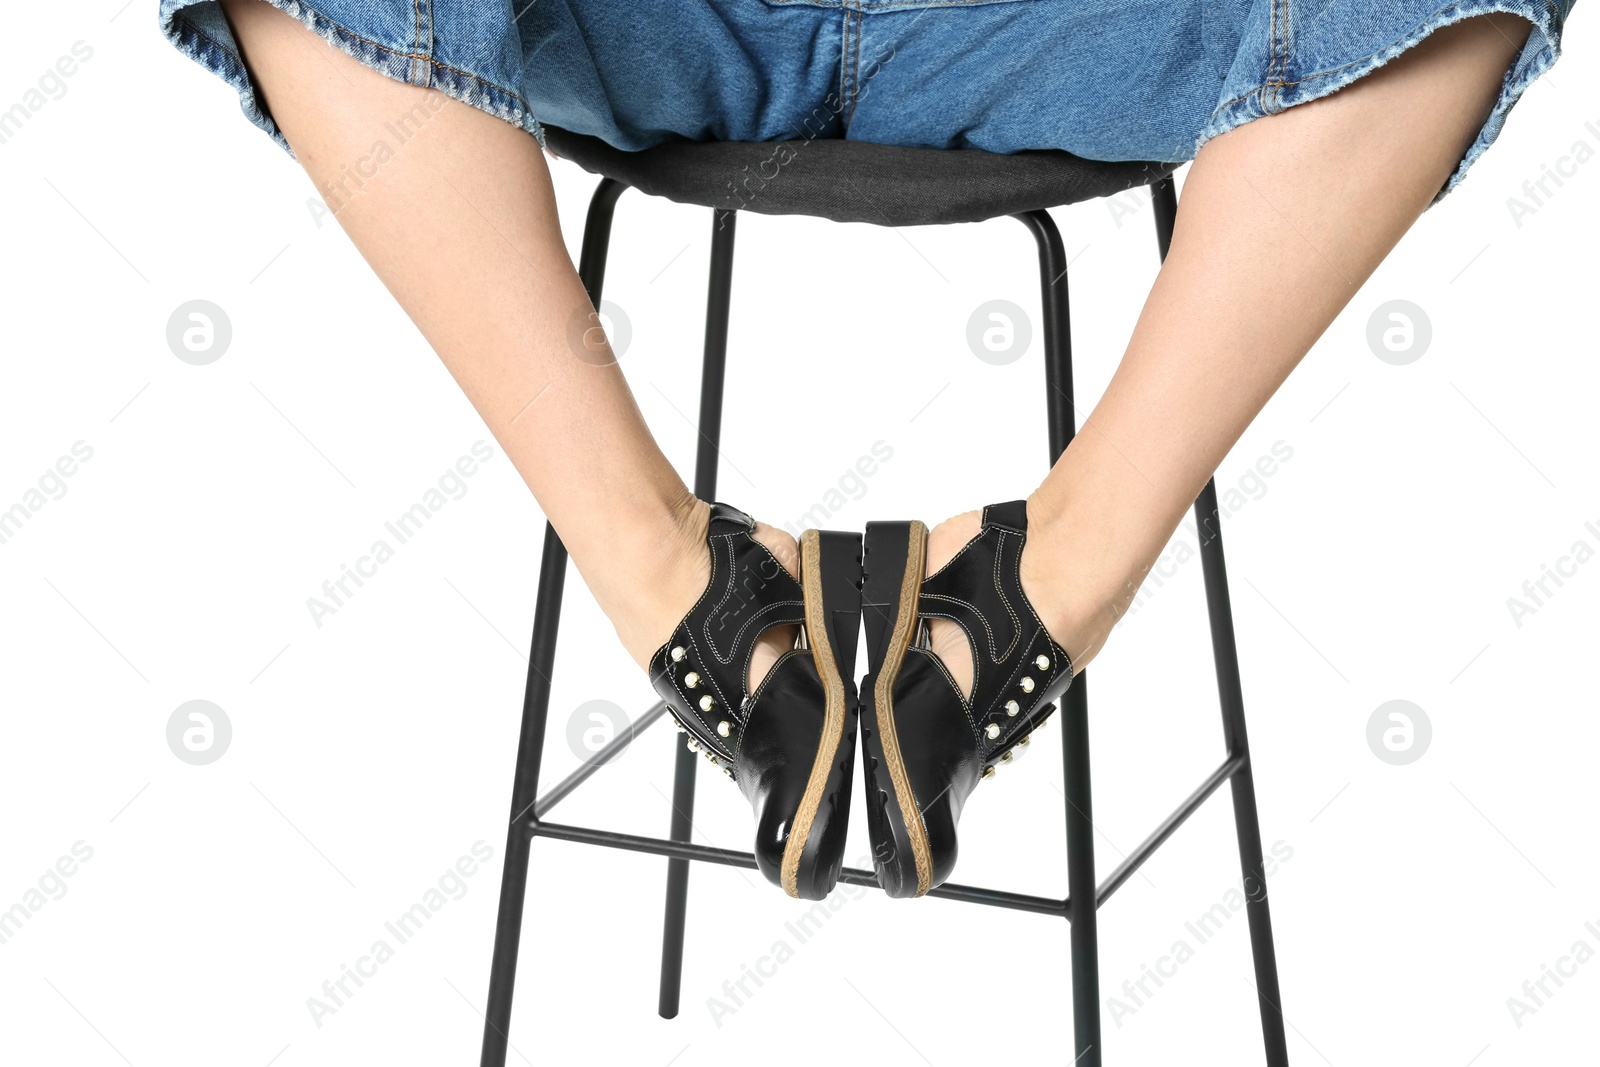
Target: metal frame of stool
528, 809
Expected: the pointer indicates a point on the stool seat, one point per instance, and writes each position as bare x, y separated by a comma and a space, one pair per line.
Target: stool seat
856, 181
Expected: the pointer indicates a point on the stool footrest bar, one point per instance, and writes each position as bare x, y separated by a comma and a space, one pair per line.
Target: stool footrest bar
585, 835
1230, 767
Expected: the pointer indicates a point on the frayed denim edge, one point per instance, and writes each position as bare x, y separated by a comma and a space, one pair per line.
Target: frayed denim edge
1517, 80
467, 88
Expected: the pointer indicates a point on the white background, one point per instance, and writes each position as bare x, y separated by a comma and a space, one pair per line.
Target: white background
370, 753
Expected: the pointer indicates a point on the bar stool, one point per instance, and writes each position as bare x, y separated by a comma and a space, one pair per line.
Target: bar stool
851, 181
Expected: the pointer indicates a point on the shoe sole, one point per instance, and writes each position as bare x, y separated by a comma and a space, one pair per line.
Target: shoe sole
830, 569
894, 560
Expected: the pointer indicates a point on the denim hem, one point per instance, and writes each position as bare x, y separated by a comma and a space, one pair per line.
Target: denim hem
225, 62
1540, 53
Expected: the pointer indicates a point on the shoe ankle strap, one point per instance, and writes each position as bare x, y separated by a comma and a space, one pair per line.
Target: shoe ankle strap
1012, 516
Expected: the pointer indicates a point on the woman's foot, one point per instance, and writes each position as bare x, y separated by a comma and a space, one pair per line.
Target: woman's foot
646, 602
931, 738
790, 743
1067, 588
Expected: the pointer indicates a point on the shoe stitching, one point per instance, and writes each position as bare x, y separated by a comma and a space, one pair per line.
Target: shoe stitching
993, 706
995, 654
687, 715
719, 693
1034, 614
711, 583
970, 641
1016, 623
1055, 651
711, 737
955, 689
988, 632
1025, 718
730, 583
951, 561
735, 710
685, 632
1023, 721
755, 697
738, 638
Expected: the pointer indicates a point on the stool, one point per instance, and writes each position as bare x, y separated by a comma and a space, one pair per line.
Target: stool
852, 181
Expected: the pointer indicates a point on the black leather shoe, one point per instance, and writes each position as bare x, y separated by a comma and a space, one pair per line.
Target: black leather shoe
927, 744
790, 744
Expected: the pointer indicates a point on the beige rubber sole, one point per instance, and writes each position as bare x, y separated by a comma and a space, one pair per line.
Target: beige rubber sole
834, 716
905, 625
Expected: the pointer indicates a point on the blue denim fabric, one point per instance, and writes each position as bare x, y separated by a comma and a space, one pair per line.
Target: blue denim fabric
1133, 79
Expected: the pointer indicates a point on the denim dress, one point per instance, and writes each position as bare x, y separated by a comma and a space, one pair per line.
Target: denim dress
1130, 80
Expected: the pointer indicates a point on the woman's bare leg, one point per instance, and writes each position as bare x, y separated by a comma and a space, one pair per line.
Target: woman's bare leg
460, 225
1282, 220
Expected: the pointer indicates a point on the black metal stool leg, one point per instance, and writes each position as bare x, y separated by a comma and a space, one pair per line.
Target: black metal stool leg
1074, 713
536, 701
1081, 896
1230, 690
1246, 824
718, 298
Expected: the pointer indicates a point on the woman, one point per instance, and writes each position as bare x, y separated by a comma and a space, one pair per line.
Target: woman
1319, 131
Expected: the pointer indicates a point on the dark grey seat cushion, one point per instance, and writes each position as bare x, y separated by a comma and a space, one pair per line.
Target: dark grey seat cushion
853, 181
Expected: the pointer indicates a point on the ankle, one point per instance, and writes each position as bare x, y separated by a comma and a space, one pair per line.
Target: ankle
1075, 579
689, 516
649, 568
664, 535
655, 566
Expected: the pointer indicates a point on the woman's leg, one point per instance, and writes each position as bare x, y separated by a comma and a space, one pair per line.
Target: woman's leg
1281, 221
460, 225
